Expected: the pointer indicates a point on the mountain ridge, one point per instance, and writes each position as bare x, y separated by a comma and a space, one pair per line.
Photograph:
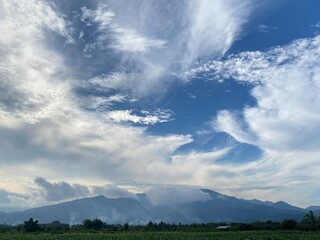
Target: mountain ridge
140, 210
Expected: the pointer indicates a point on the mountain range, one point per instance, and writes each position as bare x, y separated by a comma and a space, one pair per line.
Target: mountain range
140, 210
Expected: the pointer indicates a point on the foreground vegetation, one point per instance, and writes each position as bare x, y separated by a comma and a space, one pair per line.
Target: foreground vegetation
245, 235
307, 229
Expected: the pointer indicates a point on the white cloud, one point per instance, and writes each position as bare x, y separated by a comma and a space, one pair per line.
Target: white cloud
215, 25
228, 122
45, 129
112, 35
112, 191
156, 38
47, 192
166, 194
29, 88
43, 117
44, 192
285, 117
98, 103
128, 40
285, 121
147, 117
265, 28
101, 15
25, 19
317, 25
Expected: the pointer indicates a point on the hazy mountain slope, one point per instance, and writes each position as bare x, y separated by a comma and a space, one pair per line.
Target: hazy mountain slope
313, 208
119, 210
219, 208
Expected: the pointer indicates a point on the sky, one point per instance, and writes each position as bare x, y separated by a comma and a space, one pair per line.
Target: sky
118, 97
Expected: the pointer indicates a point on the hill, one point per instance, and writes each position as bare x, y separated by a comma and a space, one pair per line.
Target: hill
140, 210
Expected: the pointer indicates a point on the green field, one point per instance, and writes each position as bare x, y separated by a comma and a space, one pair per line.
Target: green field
263, 235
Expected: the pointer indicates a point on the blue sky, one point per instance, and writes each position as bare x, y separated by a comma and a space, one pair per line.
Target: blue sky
118, 97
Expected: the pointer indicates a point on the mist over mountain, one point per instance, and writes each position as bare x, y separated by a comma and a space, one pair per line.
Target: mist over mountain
140, 210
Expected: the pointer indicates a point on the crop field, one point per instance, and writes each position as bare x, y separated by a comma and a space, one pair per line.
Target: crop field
263, 235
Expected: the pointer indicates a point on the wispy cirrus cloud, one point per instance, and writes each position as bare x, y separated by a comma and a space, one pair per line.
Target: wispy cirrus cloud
128, 40
265, 28
114, 36
163, 38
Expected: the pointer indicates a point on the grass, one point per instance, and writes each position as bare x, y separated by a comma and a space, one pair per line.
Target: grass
261, 235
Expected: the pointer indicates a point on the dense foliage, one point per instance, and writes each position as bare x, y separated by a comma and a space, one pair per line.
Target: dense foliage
31, 226
310, 222
252, 235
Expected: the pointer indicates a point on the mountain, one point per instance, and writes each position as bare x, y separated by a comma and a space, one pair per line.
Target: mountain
313, 208
140, 210
222, 208
119, 210
285, 206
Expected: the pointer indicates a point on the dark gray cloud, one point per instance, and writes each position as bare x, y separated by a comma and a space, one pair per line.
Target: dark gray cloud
11, 201
4, 197
60, 190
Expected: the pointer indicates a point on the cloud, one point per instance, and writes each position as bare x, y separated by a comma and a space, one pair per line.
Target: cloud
4, 197
111, 35
24, 56
230, 122
285, 120
43, 116
102, 15
22, 19
112, 191
214, 26
10, 201
158, 116
166, 194
48, 192
317, 25
60, 190
284, 116
162, 39
103, 103
265, 29
127, 40
47, 126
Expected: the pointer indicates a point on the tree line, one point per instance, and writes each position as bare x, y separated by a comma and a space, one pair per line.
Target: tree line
310, 222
